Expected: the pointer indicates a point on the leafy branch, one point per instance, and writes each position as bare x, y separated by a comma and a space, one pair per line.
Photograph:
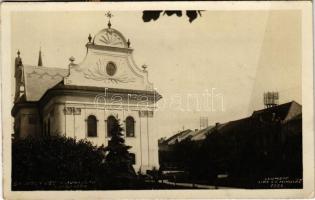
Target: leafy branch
150, 15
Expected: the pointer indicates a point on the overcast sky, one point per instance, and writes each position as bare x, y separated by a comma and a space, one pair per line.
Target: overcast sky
237, 55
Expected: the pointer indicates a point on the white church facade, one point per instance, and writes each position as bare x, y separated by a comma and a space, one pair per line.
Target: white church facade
83, 101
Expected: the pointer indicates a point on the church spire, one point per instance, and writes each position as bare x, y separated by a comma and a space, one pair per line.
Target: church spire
40, 62
19, 78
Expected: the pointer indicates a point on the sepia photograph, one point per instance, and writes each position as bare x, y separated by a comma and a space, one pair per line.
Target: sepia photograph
208, 98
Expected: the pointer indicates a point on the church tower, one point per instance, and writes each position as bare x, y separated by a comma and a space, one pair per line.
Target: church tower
18, 75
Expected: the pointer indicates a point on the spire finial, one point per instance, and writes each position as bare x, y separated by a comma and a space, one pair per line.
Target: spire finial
71, 59
109, 15
40, 62
128, 43
90, 38
144, 67
18, 59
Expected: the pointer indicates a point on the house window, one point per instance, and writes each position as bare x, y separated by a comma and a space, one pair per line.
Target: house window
132, 158
111, 121
130, 127
92, 126
32, 119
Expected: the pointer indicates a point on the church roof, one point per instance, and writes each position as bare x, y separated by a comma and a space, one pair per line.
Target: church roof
64, 87
38, 80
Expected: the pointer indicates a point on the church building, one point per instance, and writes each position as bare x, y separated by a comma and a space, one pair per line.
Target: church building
85, 99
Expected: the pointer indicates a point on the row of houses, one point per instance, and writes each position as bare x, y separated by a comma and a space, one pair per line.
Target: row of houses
284, 113
244, 151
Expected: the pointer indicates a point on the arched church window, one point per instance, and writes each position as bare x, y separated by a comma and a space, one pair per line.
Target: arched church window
111, 120
130, 127
91, 126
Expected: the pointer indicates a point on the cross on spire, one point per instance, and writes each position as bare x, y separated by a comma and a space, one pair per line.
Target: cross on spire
109, 15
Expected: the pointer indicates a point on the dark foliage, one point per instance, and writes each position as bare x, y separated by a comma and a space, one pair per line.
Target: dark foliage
59, 163
118, 160
173, 12
55, 159
149, 15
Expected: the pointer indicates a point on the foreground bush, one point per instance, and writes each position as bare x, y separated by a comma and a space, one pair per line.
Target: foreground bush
56, 159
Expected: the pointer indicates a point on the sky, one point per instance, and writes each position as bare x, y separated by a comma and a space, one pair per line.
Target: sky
233, 57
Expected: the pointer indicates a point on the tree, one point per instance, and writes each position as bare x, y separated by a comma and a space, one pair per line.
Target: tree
118, 159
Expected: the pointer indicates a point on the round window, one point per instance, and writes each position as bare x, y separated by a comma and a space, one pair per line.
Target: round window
111, 68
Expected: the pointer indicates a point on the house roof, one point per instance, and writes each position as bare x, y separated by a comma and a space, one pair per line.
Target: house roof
287, 111
38, 80
235, 126
176, 137
201, 134
284, 111
296, 117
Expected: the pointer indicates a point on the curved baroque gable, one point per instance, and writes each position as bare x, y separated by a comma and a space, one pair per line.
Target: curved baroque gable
110, 37
105, 66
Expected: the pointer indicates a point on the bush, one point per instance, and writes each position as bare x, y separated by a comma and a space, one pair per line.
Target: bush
55, 159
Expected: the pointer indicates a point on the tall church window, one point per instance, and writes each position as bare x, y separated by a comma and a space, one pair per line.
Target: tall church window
111, 120
92, 126
130, 127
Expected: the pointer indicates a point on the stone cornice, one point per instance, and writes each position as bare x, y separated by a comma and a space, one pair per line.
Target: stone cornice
108, 48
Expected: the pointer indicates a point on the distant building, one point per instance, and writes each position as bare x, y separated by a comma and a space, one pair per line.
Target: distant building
84, 100
271, 137
283, 113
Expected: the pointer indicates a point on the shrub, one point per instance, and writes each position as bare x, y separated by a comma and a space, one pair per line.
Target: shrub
56, 159
58, 163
